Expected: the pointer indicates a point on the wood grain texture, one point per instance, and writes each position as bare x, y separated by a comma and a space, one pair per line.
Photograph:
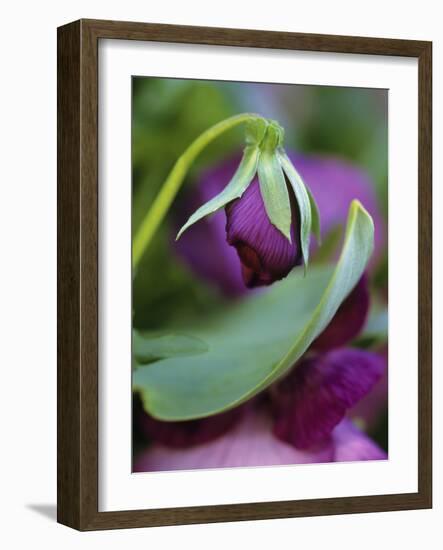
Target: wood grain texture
254, 38
68, 275
425, 273
77, 173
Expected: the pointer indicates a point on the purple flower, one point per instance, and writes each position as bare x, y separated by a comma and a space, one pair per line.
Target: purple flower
369, 410
252, 443
205, 246
265, 254
303, 417
314, 398
351, 444
270, 211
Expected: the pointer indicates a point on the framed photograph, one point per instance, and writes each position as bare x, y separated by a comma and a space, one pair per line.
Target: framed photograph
244, 275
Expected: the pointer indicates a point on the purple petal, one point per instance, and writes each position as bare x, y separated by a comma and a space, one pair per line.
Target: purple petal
265, 254
351, 444
186, 433
314, 398
334, 183
250, 443
374, 405
348, 321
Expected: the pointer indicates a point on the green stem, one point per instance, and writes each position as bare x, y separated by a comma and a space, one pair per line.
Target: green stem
172, 184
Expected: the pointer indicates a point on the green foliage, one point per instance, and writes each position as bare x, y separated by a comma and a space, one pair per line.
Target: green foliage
349, 123
152, 346
167, 115
253, 342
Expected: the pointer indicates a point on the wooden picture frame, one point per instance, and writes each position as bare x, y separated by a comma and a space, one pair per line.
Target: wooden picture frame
78, 273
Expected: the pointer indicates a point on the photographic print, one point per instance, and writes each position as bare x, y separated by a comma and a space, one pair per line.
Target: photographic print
225, 276
260, 274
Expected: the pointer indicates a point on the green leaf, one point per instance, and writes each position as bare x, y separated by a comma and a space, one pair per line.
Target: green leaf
153, 346
274, 192
303, 201
236, 187
256, 341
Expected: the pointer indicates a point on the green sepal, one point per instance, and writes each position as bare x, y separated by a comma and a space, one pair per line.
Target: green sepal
315, 216
254, 342
274, 192
303, 202
274, 136
236, 187
255, 131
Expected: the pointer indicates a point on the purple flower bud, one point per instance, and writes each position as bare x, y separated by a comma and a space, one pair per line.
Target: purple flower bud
265, 253
326, 177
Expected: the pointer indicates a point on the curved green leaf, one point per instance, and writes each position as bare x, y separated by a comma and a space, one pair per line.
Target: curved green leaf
274, 192
153, 346
236, 187
256, 341
303, 201
357, 249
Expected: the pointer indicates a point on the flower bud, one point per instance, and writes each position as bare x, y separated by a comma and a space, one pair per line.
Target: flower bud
266, 255
269, 218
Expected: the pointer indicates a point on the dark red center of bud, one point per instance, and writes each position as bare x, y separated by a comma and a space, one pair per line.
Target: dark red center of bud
266, 255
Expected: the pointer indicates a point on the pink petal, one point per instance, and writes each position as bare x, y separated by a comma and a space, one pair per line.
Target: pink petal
351, 444
250, 443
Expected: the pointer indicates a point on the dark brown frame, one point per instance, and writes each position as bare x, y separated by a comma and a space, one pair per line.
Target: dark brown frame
77, 455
